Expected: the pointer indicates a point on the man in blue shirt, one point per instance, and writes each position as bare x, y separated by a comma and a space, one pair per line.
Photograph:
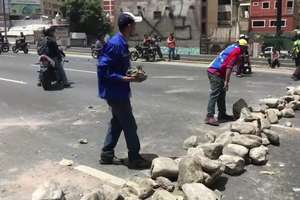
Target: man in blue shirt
114, 87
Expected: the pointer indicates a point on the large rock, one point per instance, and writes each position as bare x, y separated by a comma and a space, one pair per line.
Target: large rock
272, 116
237, 108
272, 136
195, 151
265, 140
288, 98
234, 165
270, 102
243, 128
105, 192
211, 178
165, 184
295, 105
264, 123
261, 108
190, 171
48, 191
165, 195
190, 142
207, 164
288, 113
290, 90
235, 150
225, 138
259, 155
212, 150
139, 187
198, 191
165, 167
297, 90
246, 115
194, 140
249, 141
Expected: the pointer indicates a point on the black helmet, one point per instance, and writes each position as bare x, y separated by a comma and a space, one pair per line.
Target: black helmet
48, 31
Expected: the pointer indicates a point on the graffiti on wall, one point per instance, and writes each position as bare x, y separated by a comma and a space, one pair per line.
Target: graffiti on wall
183, 15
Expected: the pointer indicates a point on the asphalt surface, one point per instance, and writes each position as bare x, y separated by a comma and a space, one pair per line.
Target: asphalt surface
170, 106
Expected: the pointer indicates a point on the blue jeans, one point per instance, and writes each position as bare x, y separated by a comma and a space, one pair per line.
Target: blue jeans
217, 95
122, 120
171, 51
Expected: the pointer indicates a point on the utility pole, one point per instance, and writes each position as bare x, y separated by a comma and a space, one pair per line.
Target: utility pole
279, 18
4, 18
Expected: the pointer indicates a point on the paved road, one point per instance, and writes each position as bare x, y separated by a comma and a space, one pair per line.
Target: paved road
37, 125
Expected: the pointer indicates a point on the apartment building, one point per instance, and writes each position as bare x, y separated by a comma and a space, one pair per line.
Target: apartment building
263, 17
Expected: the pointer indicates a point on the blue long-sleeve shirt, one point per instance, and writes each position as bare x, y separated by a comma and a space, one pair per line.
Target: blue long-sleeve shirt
112, 67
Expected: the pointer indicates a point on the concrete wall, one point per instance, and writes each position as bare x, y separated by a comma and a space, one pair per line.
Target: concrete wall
183, 17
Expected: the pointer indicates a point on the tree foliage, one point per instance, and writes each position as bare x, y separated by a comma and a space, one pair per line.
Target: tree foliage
86, 16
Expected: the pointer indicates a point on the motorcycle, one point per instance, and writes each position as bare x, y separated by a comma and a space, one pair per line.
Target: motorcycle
19, 46
148, 53
47, 72
4, 47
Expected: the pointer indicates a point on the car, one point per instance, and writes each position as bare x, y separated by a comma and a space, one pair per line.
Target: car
283, 53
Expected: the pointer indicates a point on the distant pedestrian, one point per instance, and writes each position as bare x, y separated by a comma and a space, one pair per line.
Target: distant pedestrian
114, 87
296, 56
171, 42
219, 73
274, 60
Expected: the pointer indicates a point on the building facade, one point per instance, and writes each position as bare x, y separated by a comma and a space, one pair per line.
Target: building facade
109, 9
4, 17
51, 7
264, 15
192, 21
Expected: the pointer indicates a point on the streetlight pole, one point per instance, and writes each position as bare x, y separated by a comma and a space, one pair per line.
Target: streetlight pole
279, 18
4, 18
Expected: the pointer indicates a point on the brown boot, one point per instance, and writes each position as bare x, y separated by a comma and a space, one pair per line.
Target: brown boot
211, 121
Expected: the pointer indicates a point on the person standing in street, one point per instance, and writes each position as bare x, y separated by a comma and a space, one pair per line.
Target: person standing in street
114, 88
171, 42
274, 60
296, 56
219, 73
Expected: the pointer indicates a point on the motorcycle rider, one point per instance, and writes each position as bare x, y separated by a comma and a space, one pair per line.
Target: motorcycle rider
1, 40
156, 42
21, 41
52, 50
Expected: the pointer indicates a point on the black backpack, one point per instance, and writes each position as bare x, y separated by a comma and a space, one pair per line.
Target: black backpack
42, 47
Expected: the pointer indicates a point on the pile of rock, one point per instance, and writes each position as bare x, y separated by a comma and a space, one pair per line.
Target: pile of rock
209, 156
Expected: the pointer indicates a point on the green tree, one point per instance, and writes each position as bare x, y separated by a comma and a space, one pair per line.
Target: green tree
86, 16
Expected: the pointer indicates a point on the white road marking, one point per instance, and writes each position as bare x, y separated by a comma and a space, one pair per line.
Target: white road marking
13, 81
78, 70
103, 176
288, 128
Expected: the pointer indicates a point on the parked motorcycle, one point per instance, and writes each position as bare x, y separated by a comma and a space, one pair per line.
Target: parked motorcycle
148, 53
19, 46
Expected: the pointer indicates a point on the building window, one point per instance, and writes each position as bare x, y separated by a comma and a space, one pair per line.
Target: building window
255, 4
290, 4
258, 23
156, 14
266, 5
276, 4
273, 23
